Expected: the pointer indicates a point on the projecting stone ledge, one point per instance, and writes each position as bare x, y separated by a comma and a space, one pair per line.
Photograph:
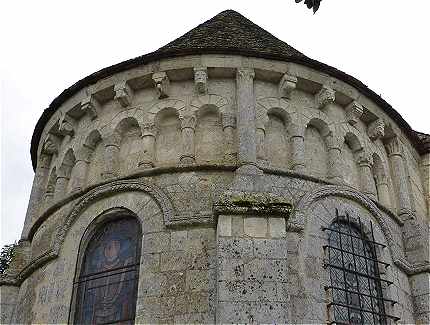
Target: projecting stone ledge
253, 203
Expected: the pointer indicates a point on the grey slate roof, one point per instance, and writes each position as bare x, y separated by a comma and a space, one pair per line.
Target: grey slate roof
228, 33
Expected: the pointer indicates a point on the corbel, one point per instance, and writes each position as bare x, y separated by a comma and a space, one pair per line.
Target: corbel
123, 93
376, 129
324, 97
50, 145
161, 83
65, 125
91, 106
354, 111
287, 84
201, 79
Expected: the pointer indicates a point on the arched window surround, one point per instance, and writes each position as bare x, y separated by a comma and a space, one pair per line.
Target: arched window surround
96, 229
357, 290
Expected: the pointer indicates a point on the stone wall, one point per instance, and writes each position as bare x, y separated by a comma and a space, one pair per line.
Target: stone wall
167, 144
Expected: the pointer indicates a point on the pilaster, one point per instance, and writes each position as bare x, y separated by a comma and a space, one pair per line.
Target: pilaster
188, 126
366, 176
148, 146
111, 156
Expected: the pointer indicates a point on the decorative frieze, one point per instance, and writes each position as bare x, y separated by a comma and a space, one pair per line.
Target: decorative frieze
376, 129
324, 97
353, 112
123, 93
200, 79
161, 83
91, 106
287, 84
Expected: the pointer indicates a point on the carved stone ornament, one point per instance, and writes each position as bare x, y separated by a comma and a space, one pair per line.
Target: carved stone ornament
353, 112
149, 129
364, 158
324, 97
394, 146
161, 82
188, 121
245, 74
287, 84
228, 120
91, 106
376, 129
65, 126
200, 80
123, 93
50, 146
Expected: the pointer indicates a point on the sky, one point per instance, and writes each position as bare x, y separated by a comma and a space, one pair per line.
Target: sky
46, 46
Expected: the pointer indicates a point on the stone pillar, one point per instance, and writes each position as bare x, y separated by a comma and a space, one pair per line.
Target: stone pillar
425, 167
79, 171
228, 125
335, 164
260, 137
111, 156
297, 143
400, 181
383, 190
246, 117
366, 176
188, 126
148, 146
39, 183
61, 183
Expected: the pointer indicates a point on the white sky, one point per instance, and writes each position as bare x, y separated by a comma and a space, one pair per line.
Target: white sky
46, 46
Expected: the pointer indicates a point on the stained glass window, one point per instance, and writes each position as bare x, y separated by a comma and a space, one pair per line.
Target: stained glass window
356, 285
106, 289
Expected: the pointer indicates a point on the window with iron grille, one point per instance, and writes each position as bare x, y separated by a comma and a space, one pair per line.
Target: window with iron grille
357, 286
106, 289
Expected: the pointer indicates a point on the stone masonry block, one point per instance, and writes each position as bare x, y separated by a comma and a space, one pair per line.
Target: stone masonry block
237, 226
178, 240
255, 227
173, 261
266, 270
224, 225
231, 269
277, 227
235, 248
247, 291
197, 280
270, 248
156, 242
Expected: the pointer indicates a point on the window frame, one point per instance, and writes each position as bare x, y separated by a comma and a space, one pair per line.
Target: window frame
97, 225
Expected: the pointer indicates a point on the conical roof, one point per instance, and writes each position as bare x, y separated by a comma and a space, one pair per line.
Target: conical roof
227, 33
230, 33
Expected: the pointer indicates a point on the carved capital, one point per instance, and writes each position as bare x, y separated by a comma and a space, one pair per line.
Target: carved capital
376, 129
91, 106
65, 125
113, 139
50, 145
149, 129
161, 83
123, 93
245, 74
353, 112
394, 146
188, 121
200, 80
228, 120
364, 159
287, 84
324, 97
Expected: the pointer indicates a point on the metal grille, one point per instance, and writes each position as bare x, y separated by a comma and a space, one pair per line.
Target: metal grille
356, 285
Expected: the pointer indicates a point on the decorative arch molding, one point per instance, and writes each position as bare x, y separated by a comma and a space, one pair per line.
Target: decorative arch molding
281, 106
221, 103
100, 192
298, 220
176, 104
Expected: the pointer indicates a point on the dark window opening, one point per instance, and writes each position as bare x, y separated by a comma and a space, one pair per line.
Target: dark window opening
356, 283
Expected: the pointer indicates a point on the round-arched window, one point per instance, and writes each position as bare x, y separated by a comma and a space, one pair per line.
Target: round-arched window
106, 289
